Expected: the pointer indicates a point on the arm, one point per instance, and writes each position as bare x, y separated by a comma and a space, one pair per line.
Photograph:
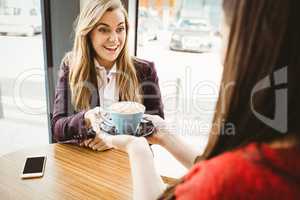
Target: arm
182, 151
64, 122
165, 136
147, 183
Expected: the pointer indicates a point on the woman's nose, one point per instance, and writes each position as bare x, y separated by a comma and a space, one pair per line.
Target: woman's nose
113, 37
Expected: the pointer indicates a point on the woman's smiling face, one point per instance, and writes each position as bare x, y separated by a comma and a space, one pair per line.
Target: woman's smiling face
108, 37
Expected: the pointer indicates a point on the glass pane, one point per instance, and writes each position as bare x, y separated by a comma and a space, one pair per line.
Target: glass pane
182, 38
23, 119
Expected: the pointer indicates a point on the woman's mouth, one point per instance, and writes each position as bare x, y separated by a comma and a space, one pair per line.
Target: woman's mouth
111, 49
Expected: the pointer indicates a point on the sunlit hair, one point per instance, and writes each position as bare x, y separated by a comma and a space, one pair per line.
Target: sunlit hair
82, 69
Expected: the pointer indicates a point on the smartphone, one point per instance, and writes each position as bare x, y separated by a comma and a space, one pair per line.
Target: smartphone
34, 167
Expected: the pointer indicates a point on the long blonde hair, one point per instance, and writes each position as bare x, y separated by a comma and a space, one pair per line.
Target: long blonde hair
82, 71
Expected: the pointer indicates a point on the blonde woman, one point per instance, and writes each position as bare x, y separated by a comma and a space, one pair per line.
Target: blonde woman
98, 72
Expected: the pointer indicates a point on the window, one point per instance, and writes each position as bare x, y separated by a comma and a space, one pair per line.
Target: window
23, 117
180, 36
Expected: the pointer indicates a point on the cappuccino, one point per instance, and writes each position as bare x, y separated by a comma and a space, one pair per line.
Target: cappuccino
125, 116
127, 107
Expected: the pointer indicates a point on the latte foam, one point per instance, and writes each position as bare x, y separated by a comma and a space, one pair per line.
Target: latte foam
127, 107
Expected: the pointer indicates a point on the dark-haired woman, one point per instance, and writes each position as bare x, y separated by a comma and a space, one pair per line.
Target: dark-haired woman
261, 159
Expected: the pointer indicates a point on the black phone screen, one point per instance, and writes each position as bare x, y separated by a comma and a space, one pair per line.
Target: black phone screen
34, 165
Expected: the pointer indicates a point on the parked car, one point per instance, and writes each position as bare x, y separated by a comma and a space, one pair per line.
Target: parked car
18, 21
192, 35
149, 25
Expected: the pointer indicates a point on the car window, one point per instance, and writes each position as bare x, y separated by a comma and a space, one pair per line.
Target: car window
196, 25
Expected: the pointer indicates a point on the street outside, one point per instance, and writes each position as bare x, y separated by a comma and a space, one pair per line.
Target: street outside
196, 74
199, 76
23, 98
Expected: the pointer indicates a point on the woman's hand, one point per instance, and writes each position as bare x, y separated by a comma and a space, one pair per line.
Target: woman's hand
93, 119
96, 144
122, 142
162, 129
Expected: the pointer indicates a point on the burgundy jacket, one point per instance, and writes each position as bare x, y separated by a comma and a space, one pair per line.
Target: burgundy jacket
67, 123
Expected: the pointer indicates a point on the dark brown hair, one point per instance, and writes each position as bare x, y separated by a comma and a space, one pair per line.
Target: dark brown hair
264, 39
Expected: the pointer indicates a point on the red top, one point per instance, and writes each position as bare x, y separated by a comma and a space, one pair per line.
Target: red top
253, 172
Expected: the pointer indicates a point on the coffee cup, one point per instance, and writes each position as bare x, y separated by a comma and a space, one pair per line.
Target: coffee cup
125, 116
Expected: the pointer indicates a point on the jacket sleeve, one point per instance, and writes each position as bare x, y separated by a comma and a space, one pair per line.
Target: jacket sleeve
151, 91
65, 123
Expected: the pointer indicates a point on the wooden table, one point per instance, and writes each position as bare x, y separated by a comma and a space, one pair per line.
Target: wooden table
71, 172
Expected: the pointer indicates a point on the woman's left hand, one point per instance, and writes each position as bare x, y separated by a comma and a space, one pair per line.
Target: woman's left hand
96, 144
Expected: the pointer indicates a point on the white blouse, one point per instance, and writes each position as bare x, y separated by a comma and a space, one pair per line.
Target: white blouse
107, 87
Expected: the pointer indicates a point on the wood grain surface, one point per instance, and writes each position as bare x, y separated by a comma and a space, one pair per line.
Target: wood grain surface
71, 172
